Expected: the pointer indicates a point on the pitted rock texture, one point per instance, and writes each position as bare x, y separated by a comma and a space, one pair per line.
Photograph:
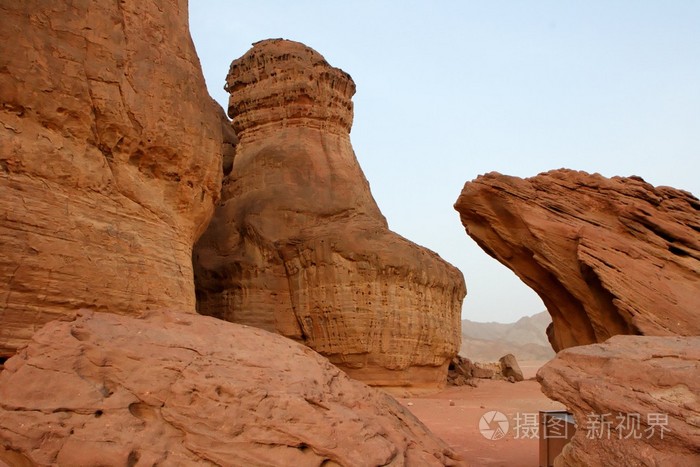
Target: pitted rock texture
182, 389
607, 256
110, 160
298, 244
636, 400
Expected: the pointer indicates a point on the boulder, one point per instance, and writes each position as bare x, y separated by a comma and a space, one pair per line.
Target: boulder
110, 160
171, 388
635, 400
298, 245
607, 256
510, 368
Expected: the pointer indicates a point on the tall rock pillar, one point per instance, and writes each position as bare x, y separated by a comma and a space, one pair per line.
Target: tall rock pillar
298, 244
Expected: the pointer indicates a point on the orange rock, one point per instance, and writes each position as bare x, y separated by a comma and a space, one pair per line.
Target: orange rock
607, 256
110, 160
634, 398
182, 389
298, 244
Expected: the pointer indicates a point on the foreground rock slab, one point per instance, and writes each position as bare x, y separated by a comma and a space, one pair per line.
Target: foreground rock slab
607, 256
110, 160
298, 245
181, 389
636, 400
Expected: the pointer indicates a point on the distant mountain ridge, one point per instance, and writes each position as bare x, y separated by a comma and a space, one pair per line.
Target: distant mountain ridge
526, 339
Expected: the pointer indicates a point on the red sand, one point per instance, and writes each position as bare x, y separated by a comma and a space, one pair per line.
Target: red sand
458, 424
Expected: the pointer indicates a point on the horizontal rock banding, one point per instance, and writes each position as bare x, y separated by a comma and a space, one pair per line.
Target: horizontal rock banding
298, 244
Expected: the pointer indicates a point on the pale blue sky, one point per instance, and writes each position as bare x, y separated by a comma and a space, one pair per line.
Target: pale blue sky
448, 90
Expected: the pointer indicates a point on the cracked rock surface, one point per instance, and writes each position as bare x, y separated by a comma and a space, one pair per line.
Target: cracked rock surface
171, 388
298, 245
636, 400
607, 256
110, 160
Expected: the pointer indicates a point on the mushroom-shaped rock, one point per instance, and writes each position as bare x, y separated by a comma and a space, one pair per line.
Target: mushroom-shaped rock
298, 244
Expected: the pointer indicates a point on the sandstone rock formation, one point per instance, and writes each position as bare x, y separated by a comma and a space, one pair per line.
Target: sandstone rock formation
635, 400
298, 244
607, 256
182, 389
110, 160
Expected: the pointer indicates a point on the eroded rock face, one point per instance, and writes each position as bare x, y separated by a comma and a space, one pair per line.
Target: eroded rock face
298, 244
182, 389
110, 160
607, 256
636, 400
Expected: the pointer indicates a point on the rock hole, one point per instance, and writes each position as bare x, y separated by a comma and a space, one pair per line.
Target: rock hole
677, 251
303, 447
98, 413
133, 458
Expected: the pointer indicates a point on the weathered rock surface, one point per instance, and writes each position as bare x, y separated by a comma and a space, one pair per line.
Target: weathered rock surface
110, 160
298, 244
182, 389
607, 256
624, 393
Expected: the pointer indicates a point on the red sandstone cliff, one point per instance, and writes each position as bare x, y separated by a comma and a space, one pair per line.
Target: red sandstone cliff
110, 160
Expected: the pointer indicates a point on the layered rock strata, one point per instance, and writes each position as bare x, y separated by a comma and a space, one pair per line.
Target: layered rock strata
298, 244
110, 160
182, 389
607, 256
636, 400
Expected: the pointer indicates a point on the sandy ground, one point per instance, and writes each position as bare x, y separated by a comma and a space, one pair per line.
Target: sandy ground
458, 424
